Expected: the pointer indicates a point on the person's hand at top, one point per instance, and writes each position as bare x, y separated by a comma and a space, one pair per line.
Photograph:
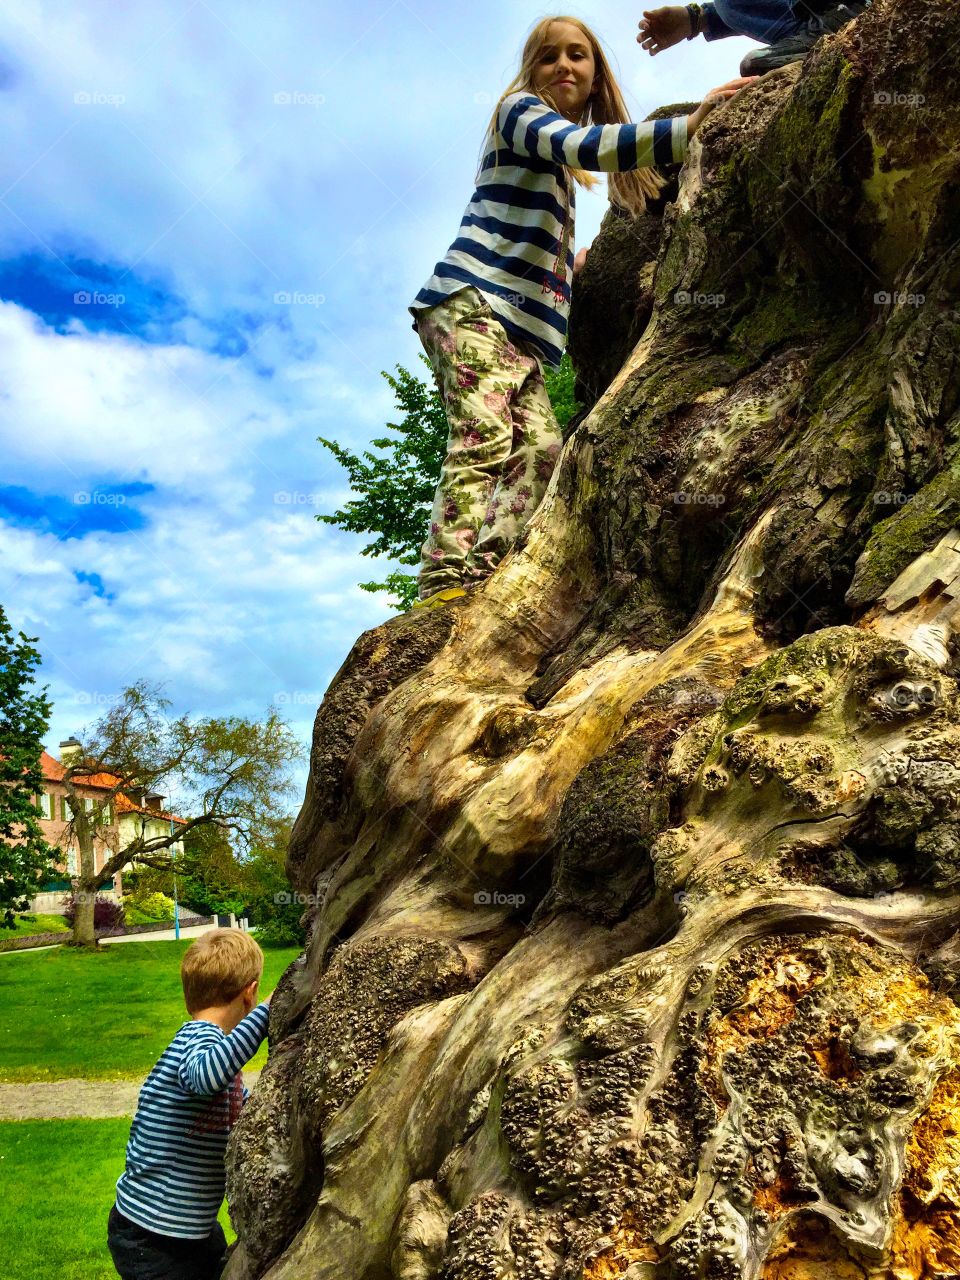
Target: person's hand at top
662, 28
714, 99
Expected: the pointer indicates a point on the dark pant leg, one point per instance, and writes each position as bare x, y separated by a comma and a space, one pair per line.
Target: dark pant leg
139, 1254
763, 20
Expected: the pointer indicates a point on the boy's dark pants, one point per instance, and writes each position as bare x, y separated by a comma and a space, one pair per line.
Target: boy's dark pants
139, 1254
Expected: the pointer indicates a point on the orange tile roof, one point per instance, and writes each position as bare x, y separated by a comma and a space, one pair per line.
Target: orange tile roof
53, 771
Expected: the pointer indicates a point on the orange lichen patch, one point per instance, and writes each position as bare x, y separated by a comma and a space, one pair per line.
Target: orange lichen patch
770, 1001
808, 1250
933, 1150
850, 784
925, 1247
629, 1246
872, 992
926, 1234
779, 1196
768, 1004
833, 1058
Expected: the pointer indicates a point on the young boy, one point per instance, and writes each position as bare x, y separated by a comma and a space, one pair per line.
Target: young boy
164, 1223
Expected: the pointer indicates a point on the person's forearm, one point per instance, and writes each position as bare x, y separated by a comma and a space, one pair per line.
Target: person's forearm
212, 1069
528, 126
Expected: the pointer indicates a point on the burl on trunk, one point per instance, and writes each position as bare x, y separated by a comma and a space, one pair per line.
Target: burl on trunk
637, 875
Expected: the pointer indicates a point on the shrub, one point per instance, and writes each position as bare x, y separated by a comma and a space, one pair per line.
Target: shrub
148, 907
281, 932
107, 914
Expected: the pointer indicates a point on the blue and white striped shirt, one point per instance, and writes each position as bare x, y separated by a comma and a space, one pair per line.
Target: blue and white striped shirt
174, 1178
516, 239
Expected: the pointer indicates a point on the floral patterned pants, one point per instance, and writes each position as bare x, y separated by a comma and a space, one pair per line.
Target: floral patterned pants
503, 444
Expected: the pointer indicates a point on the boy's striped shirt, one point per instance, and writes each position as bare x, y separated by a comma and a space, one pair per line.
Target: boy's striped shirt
509, 245
174, 1178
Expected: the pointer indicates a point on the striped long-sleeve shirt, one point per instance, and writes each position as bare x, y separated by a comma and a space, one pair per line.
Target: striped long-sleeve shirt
515, 243
174, 1178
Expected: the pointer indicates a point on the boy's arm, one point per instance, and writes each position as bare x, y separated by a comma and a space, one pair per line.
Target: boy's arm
211, 1063
529, 127
663, 28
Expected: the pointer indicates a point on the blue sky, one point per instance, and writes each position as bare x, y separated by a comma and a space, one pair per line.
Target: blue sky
172, 175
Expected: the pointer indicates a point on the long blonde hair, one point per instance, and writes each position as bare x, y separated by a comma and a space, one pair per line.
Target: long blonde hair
605, 106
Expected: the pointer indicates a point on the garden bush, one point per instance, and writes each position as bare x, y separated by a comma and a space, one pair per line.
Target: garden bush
146, 908
107, 914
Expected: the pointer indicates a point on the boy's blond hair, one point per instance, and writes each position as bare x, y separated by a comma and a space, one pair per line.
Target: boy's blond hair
217, 967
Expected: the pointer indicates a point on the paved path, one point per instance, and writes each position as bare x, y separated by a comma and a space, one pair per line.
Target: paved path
161, 935
69, 1099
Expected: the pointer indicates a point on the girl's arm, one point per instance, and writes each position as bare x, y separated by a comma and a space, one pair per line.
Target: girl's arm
529, 127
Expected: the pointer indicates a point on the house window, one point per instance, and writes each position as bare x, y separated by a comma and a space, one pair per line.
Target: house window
71, 861
47, 805
65, 814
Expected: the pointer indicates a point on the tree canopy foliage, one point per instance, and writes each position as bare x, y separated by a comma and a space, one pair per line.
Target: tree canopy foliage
25, 856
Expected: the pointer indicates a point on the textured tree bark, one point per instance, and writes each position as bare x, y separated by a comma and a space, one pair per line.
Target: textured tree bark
636, 877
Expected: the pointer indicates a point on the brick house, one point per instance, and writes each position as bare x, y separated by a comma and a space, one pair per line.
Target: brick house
129, 814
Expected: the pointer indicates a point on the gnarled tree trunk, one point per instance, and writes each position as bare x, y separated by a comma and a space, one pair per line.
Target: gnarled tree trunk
637, 875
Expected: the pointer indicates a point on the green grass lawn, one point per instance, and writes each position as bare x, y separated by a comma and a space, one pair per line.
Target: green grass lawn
58, 1178
27, 924
106, 1014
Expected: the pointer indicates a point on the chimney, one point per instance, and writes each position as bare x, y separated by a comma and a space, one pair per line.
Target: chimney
71, 752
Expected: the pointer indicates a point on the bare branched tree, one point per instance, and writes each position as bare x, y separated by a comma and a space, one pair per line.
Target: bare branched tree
230, 772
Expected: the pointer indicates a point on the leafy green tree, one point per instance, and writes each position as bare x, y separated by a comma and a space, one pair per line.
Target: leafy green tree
26, 860
273, 907
395, 488
209, 875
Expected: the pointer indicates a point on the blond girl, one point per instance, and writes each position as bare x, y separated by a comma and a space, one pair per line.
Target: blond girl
494, 311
